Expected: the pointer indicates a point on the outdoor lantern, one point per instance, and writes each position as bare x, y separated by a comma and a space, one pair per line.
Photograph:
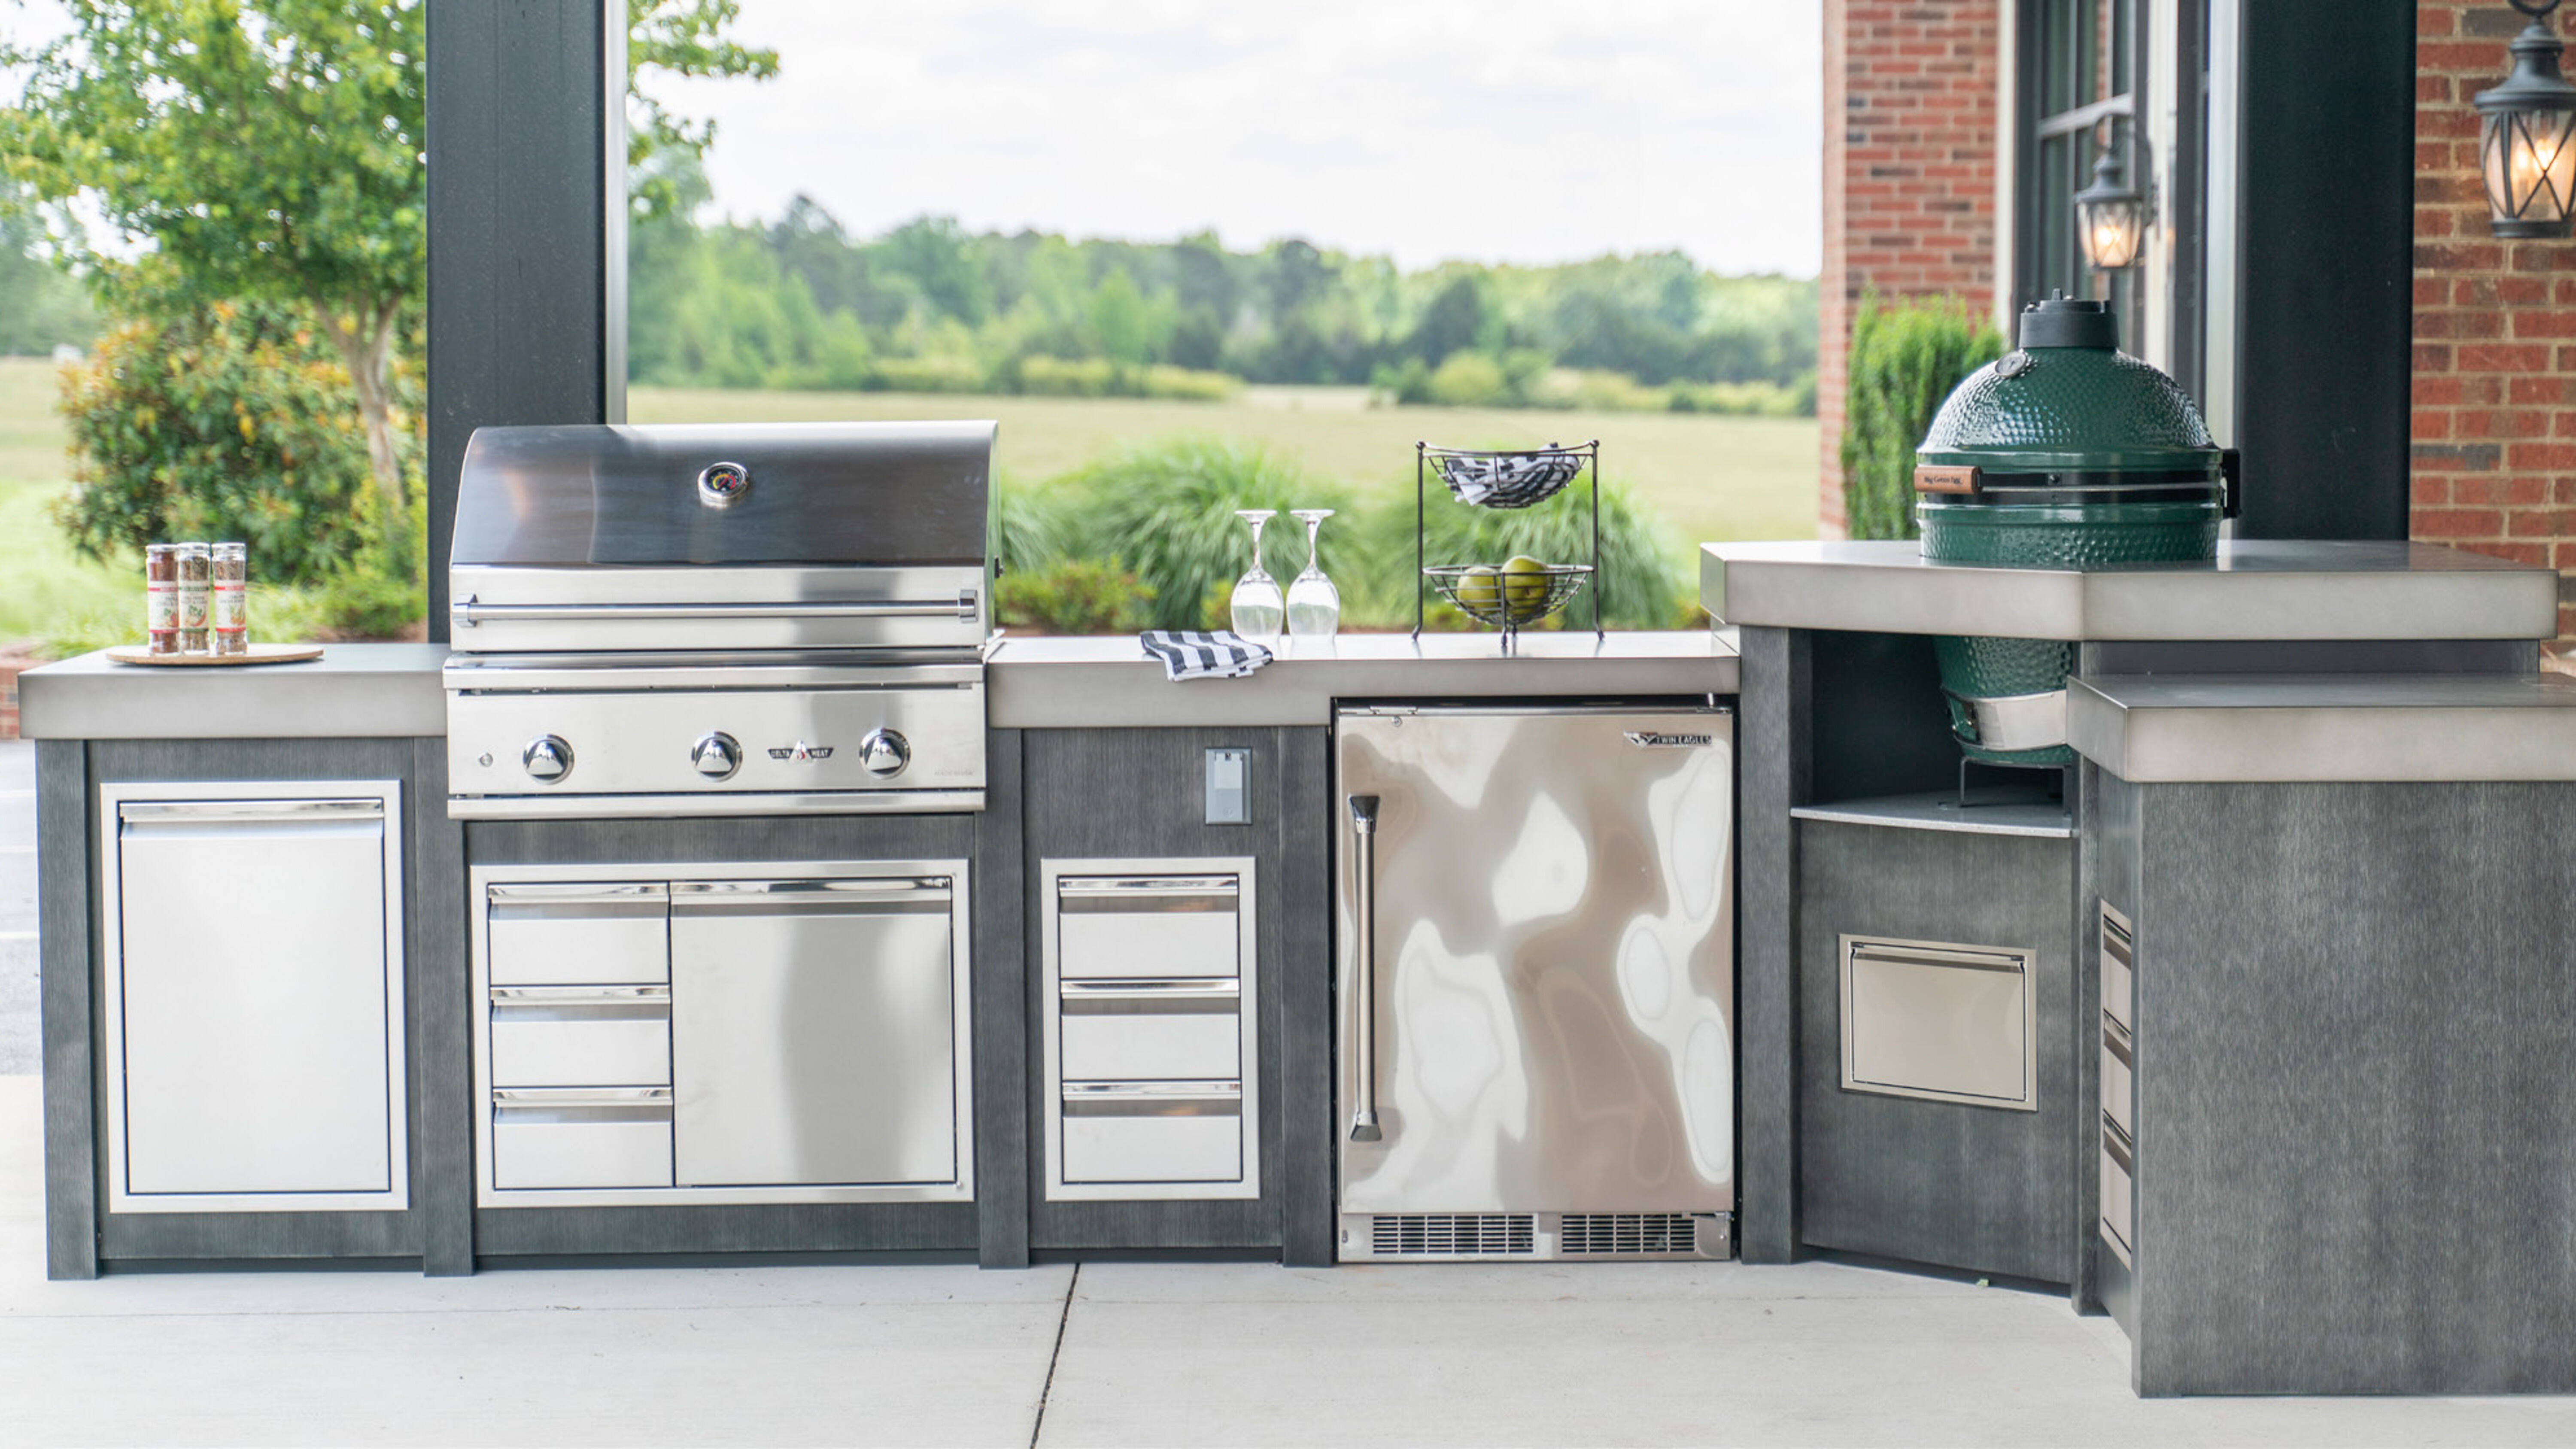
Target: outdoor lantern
2111, 215
2523, 135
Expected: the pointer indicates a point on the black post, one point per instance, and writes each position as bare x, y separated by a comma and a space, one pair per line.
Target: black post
2325, 228
527, 230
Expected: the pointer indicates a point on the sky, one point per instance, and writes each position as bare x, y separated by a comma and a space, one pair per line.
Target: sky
1490, 130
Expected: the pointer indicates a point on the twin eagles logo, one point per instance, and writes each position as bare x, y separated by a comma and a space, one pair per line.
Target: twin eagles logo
1653, 741
801, 751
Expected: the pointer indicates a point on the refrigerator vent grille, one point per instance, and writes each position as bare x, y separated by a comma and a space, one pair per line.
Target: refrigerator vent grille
1594, 1233
1453, 1235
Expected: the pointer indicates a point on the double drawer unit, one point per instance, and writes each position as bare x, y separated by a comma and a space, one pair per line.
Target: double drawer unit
1148, 1017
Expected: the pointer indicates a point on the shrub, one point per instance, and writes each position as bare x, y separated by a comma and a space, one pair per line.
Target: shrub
1167, 509
926, 374
1905, 358
233, 422
1075, 596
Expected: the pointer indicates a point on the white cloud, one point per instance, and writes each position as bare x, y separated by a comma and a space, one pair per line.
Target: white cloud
1512, 130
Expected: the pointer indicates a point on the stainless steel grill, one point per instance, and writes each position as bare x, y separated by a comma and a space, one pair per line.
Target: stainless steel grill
703, 620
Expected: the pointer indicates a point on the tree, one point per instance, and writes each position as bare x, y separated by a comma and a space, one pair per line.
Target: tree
270, 151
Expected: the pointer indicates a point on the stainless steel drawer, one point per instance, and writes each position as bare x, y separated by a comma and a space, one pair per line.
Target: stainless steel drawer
1133, 1132
607, 933
2119, 969
1148, 926
2119, 1062
1947, 1022
2119, 1228
570, 1139
1188, 1029
581, 1036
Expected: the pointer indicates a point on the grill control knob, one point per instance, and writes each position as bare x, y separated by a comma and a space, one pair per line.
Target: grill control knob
717, 756
884, 753
548, 758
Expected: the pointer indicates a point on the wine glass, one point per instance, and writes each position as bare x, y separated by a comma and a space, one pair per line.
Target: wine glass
1257, 608
1314, 605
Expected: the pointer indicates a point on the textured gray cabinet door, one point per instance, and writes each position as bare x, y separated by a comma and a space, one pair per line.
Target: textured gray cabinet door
814, 1039
255, 998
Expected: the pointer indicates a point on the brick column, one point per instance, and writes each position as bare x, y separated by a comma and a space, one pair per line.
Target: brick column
1910, 155
2494, 423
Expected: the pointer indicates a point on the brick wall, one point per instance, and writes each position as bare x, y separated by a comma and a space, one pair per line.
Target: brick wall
1910, 155
2494, 428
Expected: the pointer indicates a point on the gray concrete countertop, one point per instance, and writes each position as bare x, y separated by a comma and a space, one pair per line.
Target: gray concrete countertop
2175, 728
1108, 682
353, 690
2259, 589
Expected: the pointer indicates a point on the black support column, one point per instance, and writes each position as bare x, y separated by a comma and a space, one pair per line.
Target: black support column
527, 236
2326, 238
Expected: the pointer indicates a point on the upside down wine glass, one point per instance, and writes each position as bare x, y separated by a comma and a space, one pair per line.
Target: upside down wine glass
1257, 607
1314, 605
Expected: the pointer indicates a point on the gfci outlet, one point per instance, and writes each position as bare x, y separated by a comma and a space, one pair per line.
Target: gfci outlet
1229, 787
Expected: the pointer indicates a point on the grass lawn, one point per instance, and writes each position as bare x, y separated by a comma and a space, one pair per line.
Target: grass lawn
1709, 477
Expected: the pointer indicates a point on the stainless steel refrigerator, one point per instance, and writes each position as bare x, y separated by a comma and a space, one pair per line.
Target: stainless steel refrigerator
1535, 982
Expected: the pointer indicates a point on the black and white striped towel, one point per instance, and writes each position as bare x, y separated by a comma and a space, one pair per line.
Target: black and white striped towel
1194, 655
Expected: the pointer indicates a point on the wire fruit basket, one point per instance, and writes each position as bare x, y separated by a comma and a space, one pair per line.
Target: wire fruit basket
1508, 601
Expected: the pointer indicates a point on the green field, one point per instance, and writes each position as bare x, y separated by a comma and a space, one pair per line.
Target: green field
1709, 477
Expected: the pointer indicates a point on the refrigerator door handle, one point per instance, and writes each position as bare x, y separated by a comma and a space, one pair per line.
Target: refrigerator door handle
1364, 1126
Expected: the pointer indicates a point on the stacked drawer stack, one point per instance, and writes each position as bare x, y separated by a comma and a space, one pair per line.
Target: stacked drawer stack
580, 1035
1151, 1057
2119, 1065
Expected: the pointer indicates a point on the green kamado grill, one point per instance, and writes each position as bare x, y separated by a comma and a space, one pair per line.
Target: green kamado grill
2066, 453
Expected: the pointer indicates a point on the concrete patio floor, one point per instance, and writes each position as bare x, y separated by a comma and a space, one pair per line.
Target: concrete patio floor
1126, 1354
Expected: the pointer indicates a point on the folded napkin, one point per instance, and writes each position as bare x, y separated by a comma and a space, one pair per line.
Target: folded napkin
1194, 655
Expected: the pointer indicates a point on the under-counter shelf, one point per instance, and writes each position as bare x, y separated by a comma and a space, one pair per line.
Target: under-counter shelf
1940, 810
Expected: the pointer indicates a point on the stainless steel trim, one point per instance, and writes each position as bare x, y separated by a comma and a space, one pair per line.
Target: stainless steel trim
639, 807
1178, 991
1364, 1124
577, 895
621, 672
467, 614
1135, 887
507, 1097
2016, 721
580, 995
701, 894
230, 812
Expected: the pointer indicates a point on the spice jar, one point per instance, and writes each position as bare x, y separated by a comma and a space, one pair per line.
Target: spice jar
161, 598
231, 598
195, 576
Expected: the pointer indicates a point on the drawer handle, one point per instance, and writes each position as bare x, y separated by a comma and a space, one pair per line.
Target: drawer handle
581, 1097
1364, 1127
2116, 1041
577, 895
1153, 1099
1177, 996
1144, 887
581, 995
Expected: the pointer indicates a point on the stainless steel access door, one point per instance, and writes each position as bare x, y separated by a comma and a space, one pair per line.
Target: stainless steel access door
818, 1033
254, 994
1536, 991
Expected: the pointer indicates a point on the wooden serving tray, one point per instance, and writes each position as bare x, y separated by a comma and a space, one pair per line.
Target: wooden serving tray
259, 654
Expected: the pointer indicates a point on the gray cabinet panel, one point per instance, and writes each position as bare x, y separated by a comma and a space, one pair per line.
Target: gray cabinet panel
1986, 1188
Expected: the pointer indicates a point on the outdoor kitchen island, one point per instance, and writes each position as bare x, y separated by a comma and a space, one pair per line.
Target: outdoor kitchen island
2248, 1026
1092, 756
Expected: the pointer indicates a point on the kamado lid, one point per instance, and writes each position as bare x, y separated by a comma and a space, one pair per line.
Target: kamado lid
2066, 402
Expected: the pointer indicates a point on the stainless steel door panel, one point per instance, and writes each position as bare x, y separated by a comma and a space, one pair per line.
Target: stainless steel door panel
581, 1139
1164, 1133
255, 999
581, 1037
1940, 1021
793, 741
815, 1036
1114, 926
1553, 937
609, 933
1134, 1047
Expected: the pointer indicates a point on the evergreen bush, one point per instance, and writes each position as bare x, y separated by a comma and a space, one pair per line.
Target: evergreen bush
1905, 358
